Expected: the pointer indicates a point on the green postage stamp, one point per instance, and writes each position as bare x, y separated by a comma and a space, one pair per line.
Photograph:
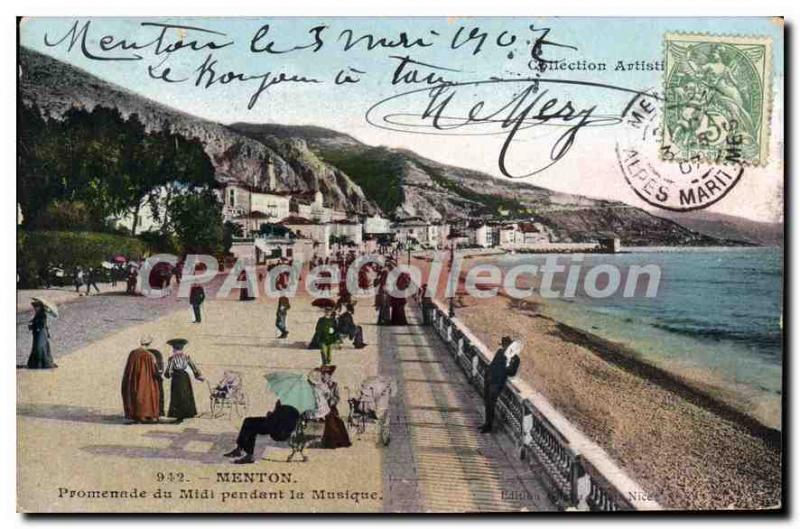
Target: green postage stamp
717, 98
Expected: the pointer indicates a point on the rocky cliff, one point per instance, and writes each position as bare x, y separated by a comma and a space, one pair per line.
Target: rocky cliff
55, 87
352, 175
405, 184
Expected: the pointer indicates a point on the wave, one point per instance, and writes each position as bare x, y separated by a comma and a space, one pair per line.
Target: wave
765, 338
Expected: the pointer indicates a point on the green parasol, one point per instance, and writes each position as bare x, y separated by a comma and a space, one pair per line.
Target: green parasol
293, 389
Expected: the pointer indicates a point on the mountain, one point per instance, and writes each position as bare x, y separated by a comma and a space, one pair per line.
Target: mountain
405, 184
55, 87
355, 176
729, 226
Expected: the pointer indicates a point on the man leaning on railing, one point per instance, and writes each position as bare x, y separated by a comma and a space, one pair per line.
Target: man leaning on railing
504, 365
426, 303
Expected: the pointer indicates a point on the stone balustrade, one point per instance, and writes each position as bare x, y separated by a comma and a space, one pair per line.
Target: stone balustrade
581, 474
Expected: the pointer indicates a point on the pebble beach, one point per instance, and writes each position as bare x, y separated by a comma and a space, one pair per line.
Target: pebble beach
685, 448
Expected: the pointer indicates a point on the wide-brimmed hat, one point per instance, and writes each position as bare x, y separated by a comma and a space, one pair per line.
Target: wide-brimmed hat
178, 343
145, 340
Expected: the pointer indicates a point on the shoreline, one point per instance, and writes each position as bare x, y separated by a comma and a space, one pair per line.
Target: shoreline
625, 358
685, 447
684, 444
632, 361
714, 395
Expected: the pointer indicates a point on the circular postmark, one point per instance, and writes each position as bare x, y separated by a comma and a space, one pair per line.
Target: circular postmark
654, 171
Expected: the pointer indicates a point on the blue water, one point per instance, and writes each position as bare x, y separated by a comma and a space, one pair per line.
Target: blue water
716, 318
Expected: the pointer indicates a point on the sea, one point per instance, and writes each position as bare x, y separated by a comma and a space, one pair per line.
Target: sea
716, 319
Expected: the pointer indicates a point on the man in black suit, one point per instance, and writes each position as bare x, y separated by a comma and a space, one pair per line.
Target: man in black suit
196, 297
504, 364
346, 326
278, 424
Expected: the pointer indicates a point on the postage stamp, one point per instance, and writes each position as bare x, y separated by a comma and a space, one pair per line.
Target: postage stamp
718, 96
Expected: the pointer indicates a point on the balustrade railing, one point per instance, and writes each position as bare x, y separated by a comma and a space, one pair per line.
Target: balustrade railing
580, 473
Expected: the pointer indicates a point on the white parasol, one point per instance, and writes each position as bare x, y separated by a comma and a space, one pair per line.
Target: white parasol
48, 305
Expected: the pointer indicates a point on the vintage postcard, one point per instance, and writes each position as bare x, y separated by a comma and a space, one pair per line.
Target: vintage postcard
400, 265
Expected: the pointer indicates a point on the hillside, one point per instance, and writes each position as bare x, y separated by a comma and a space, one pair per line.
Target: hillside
355, 176
55, 87
728, 226
405, 184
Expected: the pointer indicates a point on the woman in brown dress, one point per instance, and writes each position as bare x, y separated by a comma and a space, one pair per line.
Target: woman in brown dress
141, 392
335, 433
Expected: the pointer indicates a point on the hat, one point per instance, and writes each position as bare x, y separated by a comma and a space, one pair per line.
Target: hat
145, 340
178, 343
505, 341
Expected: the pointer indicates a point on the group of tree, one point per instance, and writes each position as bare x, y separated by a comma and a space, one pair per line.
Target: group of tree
83, 168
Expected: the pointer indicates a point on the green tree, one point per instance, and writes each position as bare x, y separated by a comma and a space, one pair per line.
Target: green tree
111, 164
196, 221
63, 215
230, 230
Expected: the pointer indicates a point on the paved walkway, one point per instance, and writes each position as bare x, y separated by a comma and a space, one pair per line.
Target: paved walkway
85, 319
444, 463
61, 295
73, 444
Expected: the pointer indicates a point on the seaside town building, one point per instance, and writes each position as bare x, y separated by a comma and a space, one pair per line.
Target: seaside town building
250, 209
377, 225
412, 231
533, 233
149, 217
415, 230
312, 228
435, 234
608, 244
350, 231
310, 205
481, 234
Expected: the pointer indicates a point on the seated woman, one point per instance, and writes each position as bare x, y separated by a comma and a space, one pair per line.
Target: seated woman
278, 424
346, 326
327, 392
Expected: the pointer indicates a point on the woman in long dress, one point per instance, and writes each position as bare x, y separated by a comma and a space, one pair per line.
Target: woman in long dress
326, 391
382, 302
181, 402
41, 357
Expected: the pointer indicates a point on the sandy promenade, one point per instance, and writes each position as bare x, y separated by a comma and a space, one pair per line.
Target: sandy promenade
75, 452
70, 424
62, 295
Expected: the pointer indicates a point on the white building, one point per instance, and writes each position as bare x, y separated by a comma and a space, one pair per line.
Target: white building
350, 230
311, 205
318, 233
239, 201
533, 233
510, 235
414, 231
436, 235
485, 235
377, 225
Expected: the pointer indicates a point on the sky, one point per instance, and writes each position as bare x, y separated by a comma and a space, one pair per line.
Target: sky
589, 167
